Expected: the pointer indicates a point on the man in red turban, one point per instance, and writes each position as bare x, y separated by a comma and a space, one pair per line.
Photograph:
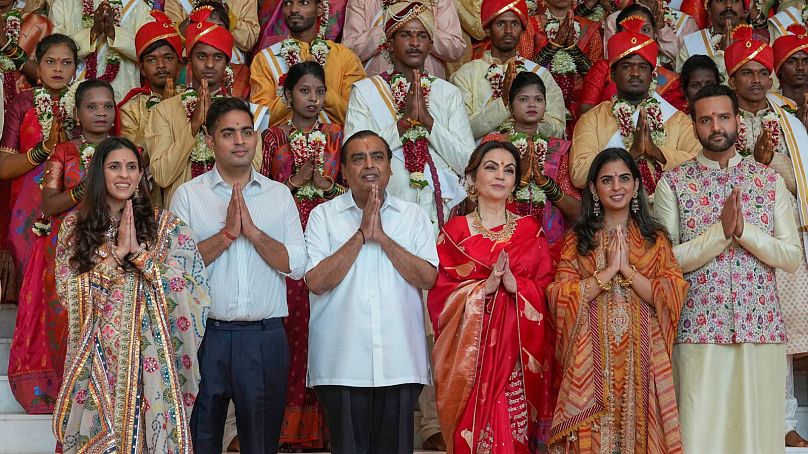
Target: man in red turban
159, 51
778, 139
174, 135
791, 67
656, 134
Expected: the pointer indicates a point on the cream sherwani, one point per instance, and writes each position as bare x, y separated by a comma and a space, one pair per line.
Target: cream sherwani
700, 43
450, 142
170, 142
730, 394
778, 24
597, 130
66, 17
342, 69
244, 24
364, 32
134, 115
486, 114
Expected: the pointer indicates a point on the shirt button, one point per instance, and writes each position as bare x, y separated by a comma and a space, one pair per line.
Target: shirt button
216, 323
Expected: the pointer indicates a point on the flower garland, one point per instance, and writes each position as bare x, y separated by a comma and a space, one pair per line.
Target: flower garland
304, 146
86, 151
153, 100
562, 62
46, 108
68, 104
113, 60
529, 191
532, 7
598, 13
319, 49
202, 157
715, 40
770, 122
13, 20
496, 76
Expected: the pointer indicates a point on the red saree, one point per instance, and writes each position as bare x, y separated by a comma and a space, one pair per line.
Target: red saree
493, 356
303, 420
38, 348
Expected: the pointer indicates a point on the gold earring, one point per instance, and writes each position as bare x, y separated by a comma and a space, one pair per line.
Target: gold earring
510, 198
596, 205
472, 192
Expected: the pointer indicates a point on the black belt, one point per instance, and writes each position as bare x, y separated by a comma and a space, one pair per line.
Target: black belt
257, 325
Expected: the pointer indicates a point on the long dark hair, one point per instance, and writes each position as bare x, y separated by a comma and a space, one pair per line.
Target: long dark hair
93, 217
588, 224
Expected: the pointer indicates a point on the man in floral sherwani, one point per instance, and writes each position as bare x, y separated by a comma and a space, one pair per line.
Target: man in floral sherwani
732, 225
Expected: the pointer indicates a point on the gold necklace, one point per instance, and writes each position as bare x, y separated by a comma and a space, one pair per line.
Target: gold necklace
503, 235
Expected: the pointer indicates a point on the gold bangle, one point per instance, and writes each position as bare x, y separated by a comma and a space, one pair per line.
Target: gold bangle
30, 159
627, 281
604, 287
73, 197
332, 183
289, 180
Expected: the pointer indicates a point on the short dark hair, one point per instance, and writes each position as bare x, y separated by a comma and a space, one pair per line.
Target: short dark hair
89, 84
632, 10
219, 11
53, 40
714, 91
221, 107
364, 134
693, 64
482, 149
154, 46
525, 79
298, 70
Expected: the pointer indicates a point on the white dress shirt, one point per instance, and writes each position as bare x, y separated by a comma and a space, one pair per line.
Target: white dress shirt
368, 331
242, 285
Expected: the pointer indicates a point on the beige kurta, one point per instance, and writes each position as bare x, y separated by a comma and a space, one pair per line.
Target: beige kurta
66, 17
486, 114
134, 115
243, 19
731, 397
596, 127
364, 32
169, 139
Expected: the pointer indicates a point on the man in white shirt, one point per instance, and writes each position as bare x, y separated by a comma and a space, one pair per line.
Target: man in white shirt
249, 251
367, 271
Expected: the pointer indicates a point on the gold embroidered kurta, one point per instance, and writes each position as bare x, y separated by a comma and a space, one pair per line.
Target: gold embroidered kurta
596, 127
342, 69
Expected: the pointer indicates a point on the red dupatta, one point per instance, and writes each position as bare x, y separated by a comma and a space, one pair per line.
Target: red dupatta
479, 340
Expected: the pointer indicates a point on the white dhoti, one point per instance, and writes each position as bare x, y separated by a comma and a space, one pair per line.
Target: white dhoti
731, 398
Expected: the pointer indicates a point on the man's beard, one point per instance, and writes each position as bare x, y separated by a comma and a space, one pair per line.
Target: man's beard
719, 142
307, 24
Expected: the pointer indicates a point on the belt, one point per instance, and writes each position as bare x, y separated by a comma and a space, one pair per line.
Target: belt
257, 325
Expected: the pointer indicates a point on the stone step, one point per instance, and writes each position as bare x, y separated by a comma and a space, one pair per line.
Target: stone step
21, 433
8, 404
5, 349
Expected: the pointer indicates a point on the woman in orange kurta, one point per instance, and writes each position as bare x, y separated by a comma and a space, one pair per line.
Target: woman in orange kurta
616, 301
494, 340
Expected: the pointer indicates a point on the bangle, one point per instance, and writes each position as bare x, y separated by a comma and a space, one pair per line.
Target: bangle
604, 287
77, 193
115, 256
332, 183
627, 281
361, 233
552, 190
228, 235
37, 155
289, 180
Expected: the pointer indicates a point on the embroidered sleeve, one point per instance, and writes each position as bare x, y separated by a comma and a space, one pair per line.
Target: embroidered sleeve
54, 171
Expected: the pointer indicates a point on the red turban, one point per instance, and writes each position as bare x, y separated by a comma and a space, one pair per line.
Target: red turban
491, 9
152, 32
789, 44
630, 41
201, 31
744, 49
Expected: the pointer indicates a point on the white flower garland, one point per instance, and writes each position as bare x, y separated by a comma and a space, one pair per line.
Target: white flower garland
12, 31
86, 151
771, 123
44, 106
529, 192
496, 76
201, 153
623, 111
306, 145
417, 134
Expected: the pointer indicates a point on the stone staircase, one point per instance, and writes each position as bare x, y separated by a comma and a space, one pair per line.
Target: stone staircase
19, 433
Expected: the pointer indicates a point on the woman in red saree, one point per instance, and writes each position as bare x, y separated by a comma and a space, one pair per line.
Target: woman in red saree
598, 85
30, 131
545, 190
304, 155
616, 300
494, 340
38, 346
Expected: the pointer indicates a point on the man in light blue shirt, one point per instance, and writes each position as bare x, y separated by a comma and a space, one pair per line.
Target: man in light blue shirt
251, 242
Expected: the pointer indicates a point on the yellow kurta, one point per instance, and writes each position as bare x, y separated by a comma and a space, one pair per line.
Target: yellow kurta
243, 20
134, 115
486, 114
169, 139
596, 127
342, 69
66, 17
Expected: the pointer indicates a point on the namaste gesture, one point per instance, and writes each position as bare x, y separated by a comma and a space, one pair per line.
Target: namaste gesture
371, 226
764, 148
201, 109
643, 144
415, 109
732, 215
501, 274
309, 173
566, 36
127, 236
103, 22
510, 73
238, 220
